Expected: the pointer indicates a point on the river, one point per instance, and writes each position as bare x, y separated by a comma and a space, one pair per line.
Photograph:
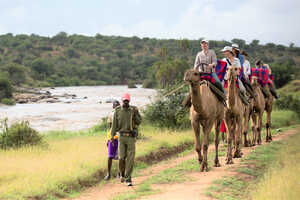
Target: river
74, 114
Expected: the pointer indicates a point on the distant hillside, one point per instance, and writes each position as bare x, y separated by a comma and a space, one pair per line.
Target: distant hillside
64, 60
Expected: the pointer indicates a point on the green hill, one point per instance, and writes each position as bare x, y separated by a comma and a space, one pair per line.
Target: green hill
64, 60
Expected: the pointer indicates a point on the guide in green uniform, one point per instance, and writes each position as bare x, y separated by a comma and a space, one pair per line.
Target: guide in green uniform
126, 120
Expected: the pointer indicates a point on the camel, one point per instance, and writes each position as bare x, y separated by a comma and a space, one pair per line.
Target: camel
206, 110
233, 115
258, 111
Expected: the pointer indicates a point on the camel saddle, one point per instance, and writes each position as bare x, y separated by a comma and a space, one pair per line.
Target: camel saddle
217, 92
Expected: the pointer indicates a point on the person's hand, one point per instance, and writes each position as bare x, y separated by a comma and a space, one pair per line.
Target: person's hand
112, 141
211, 66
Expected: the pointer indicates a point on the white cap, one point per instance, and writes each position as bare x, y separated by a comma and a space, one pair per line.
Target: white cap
227, 48
235, 46
204, 40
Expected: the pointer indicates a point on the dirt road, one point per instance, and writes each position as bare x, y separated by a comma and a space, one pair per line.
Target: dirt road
191, 189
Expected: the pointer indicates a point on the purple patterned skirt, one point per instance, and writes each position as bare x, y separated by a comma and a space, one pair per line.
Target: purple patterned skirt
113, 149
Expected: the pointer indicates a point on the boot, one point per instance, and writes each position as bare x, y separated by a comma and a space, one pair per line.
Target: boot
249, 90
187, 102
273, 92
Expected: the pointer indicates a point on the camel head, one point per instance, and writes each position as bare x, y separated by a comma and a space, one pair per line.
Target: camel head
254, 80
192, 76
232, 72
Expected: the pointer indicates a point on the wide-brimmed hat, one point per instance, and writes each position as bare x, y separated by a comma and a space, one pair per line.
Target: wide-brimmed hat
235, 46
227, 48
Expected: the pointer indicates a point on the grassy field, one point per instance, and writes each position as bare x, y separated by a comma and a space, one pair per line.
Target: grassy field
72, 159
282, 180
269, 172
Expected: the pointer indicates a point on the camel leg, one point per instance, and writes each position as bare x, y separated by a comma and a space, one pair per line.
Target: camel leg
206, 130
259, 127
229, 134
254, 132
237, 150
268, 125
196, 127
245, 129
217, 131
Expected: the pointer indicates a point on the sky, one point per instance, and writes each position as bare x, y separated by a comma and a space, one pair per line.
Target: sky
274, 21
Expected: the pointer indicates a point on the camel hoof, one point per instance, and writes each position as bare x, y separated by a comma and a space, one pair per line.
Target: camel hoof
229, 161
204, 167
237, 155
217, 164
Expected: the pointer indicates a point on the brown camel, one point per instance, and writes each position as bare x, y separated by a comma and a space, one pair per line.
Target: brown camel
206, 110
268, 109
233, 114
258, 111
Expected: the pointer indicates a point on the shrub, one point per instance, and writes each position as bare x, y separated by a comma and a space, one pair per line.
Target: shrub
102, 126
288, 102
9, 102
131, 84
5, 88
19, 134
149, 83
168, 112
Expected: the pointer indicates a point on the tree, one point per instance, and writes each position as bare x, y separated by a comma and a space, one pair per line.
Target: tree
5, 87
42, 67
16, 73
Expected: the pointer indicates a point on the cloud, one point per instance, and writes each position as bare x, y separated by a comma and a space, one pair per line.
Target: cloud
269, 21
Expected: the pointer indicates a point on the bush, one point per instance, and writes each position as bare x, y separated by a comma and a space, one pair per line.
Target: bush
5, 88
19, 134
288, 102
131, 84
149, 83
102, 126
168, 112
9, 102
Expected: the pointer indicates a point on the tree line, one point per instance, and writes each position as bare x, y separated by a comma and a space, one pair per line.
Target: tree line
74, 60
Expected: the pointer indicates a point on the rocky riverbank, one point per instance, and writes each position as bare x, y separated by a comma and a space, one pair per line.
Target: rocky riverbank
35, 95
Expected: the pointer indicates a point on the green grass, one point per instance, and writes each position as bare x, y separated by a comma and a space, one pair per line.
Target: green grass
281, 181
262, 162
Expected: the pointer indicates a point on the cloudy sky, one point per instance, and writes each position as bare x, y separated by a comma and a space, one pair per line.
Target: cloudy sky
266, 20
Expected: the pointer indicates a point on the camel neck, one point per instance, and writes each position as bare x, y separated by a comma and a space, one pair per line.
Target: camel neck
232, 92
196, 97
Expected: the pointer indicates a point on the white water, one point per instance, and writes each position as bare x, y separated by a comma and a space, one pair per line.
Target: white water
79, 114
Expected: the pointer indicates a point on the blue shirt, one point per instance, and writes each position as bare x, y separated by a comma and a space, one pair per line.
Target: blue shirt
241, 58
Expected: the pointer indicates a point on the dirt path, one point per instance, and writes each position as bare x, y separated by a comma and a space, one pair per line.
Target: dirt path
187, 190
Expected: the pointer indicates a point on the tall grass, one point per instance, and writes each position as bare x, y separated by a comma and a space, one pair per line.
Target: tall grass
36, 171
282, 180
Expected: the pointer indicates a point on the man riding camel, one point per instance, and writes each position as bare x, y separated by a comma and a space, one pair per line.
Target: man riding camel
205, 63
260, 64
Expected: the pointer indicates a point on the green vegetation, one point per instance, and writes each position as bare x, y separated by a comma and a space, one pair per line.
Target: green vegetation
281, 181
273, 163
64, 60
9, 102
168, 112
18, 135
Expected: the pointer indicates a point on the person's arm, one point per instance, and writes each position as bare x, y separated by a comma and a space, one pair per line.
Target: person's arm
137, 117
214, 58
114, 128
197, 62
